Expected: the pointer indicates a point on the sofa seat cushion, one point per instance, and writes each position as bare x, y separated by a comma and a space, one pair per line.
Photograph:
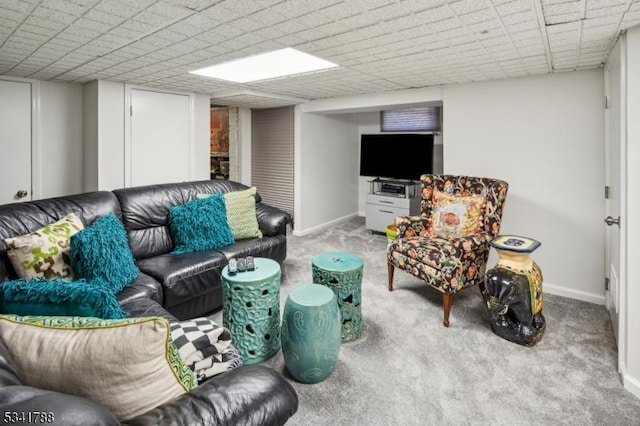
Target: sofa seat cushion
186, 276
440, 260
136, 308
270, 247
144, 286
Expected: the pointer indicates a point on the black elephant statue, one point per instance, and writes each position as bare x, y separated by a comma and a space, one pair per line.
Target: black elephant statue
515, 315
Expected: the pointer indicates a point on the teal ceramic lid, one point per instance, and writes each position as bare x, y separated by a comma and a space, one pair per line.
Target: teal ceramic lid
311, 295
514, 243
265, 268
338, 261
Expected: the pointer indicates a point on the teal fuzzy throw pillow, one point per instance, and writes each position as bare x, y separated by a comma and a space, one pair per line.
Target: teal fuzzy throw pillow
100, 254
200, 224
58, 297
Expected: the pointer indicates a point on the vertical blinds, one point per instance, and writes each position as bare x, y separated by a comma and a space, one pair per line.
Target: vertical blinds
272, 156
411, 120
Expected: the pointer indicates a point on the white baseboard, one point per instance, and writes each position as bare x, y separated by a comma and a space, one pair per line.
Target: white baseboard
630, 383
323, 225
557, 290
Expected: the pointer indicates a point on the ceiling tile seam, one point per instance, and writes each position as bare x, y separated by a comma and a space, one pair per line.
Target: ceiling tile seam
462, 24
508, 33
584, 17
618, 32
27, 15
543, 32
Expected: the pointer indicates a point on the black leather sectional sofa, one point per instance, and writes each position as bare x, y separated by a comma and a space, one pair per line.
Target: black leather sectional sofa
170, 286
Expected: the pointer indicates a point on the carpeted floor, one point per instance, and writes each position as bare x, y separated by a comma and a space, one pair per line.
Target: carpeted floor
409, 369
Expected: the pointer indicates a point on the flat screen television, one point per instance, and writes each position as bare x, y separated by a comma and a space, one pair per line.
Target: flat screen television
396, 155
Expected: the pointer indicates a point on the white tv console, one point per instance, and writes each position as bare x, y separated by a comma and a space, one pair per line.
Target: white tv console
389, 198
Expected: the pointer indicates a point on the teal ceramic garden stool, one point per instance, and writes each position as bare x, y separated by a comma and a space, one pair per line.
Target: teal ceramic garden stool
251, 309
342, 273
310, 333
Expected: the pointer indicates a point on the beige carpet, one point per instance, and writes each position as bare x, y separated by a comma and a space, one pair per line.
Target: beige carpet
408, 369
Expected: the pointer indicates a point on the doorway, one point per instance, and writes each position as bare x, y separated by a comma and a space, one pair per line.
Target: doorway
160, 137
18, 99
615, 201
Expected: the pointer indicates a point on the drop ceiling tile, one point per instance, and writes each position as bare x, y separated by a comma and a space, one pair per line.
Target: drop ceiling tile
516, 6
123, 8
12, 15
479, 16
467, 6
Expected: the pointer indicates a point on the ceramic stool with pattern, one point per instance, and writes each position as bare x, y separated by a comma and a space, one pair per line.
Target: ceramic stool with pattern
342, 273
310, 333
251, 309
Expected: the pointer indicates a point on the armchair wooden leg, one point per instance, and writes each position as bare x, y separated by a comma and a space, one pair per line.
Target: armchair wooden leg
390, 270
447, 301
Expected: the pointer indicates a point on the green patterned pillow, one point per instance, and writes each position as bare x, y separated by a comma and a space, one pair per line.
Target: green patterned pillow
241, 213
45, 253
130, 366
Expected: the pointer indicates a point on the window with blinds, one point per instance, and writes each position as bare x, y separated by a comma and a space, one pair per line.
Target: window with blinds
272, 156
411, 120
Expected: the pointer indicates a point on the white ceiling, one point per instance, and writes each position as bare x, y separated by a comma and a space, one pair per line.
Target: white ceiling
380, 45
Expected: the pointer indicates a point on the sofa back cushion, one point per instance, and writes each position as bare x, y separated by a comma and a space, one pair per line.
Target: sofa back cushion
145, 211
23, 218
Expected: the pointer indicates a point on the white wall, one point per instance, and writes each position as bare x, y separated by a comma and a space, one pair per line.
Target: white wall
326, 170
632, 375
103, 135
61, 148
244, 145
544, 136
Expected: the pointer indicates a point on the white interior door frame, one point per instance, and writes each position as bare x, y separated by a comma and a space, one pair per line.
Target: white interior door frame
128, 164
618, 53
36, 161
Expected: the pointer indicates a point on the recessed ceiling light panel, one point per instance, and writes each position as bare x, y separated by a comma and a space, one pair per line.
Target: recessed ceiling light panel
279, 63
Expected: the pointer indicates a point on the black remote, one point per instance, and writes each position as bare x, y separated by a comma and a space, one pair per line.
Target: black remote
233, 266
250, 263
242, 264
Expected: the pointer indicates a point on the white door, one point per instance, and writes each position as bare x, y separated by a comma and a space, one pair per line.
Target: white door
15, 141
160, 137
614, 168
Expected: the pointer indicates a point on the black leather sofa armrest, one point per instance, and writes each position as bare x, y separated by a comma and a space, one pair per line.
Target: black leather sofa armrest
272, 220
249, 395
19, 404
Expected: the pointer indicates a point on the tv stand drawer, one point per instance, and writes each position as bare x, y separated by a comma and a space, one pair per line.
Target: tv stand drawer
388, 201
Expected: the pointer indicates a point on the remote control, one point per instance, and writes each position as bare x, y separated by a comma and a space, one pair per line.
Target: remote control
233, 266
242, 264
250, 263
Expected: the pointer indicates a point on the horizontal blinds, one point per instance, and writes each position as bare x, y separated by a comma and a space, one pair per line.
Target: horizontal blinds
411, 120
272, 156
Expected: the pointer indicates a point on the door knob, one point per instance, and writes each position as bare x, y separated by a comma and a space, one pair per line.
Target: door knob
22, 193
611, 221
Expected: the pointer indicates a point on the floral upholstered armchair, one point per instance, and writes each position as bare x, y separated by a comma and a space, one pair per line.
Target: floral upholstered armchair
447, 245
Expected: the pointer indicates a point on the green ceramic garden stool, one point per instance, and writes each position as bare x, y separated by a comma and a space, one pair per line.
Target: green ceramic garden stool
342, 273
310, 333
251, 309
